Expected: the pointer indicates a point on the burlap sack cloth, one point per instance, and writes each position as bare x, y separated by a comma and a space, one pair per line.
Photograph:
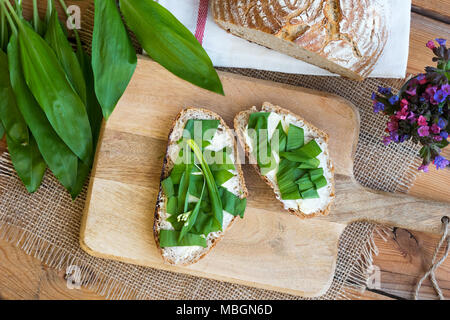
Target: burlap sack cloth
47, 223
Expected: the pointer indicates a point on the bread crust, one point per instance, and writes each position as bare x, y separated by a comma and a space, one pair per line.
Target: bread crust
167, 167
244, 116
350, 34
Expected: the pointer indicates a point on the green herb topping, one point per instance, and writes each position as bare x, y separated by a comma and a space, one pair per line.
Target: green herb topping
298, 173
196, 198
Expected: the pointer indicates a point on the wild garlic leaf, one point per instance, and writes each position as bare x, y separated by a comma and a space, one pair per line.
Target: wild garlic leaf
222, 176
231, 203
57, 40
28, 163
170, 238
193, 216
201, 130
214, 196
4, 31
10, 115
48, 82
296, 138
113, 56
59, 158
170, 43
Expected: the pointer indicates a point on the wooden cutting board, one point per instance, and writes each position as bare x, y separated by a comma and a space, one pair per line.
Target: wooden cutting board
269, 248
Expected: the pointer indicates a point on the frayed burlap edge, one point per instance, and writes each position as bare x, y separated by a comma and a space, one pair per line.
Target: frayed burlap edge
111, 279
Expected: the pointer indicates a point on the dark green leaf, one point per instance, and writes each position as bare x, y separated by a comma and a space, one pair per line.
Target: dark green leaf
311, 149
28, 162
212, 187
200, 130
113, 56
4, 31
295, 138
183, 198
192, 216
279, 138
49, 85
443, 144
169, 43
2, 130
309, 164
205, 224
219, 160
177, 172
316, 173
286, 181
305, 183
303, 154
59, 158
222, 176
169, 238
95, 116
320, 182
254, 118
57, 40
261, 148
196, 184
172, 204
294, 156
10, 115
167, 186
310, 194
232, 204
93, 108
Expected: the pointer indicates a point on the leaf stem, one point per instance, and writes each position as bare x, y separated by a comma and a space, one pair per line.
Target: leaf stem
8, 16
212, 187
35, 16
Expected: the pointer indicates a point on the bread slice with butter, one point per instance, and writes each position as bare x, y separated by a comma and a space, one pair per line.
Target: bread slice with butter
223, 137
303, 208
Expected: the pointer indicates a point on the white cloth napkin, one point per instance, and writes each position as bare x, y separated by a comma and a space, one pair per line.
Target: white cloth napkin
227, 50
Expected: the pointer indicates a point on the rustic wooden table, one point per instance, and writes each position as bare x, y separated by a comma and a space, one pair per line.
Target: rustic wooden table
403, 255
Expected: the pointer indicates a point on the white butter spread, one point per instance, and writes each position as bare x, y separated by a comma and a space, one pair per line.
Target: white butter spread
307, 206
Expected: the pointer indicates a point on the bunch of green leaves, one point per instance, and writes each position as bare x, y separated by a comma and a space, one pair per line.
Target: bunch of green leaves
194, 192
49, 118
53, 99
160, 34
298, 173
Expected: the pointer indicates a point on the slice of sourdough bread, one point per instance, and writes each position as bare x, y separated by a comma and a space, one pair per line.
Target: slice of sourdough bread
236, 185
302, 208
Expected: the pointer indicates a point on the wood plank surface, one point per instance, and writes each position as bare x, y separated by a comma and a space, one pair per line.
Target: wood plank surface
439, 9
15, 284
129, 162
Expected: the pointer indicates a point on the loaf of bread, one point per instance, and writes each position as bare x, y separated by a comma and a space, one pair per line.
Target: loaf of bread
346, 37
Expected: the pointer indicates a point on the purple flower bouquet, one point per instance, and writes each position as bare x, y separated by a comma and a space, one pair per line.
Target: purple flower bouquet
420, 112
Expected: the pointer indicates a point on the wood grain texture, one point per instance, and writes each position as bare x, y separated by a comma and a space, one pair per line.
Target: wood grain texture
405, 255
129, 163
423, 29
26, 278
128, 167
439, 8
14, 284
